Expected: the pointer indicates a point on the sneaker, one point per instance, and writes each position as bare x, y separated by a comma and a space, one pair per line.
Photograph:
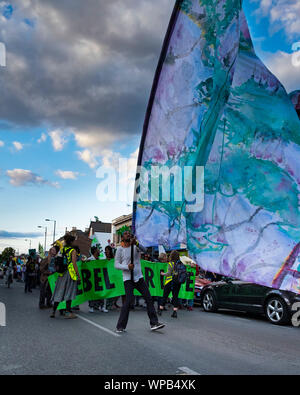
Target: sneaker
157, 326
189, 308
91, 310
174, 315
104, 310
159, 312
120, 330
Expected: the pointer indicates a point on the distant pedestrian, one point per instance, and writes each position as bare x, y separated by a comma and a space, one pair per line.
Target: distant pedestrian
10, 266
23, 272
19, 271
66, 284
29, 274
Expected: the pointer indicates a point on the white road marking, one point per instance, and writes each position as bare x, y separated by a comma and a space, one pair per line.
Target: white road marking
189, 371
98, 326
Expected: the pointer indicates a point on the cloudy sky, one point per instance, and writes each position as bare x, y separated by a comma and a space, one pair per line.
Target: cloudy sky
74, 94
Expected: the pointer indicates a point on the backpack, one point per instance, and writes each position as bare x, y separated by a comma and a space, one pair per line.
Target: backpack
61, 262
180, 273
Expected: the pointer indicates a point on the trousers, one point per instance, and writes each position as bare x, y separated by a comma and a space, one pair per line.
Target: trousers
141, 286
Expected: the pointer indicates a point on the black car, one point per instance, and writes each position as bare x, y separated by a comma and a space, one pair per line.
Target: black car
275, 304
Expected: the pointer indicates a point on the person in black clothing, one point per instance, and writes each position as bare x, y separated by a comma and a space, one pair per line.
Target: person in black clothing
171, 285
29, 274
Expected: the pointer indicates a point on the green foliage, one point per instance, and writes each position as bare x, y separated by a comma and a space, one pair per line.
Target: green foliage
7, 252
122, 230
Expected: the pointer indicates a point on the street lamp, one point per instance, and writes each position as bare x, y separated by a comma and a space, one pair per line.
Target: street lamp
54, 221
29, 243
45, 245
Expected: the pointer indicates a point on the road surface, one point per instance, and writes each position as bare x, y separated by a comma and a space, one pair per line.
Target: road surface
194, 343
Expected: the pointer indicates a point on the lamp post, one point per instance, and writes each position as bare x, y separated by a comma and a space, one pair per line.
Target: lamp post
54, 221
45, 245
29, 243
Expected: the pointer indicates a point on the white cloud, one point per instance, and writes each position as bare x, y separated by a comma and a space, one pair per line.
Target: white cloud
96, 145
1, 143
281, 65
124, 169
82, 71
43, 138
59, 139
67, 175
111, 159
88, 157
18, 146
21, 177
282, 13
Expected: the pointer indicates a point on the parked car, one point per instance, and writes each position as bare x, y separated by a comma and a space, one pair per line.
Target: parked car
200, 282
275, 304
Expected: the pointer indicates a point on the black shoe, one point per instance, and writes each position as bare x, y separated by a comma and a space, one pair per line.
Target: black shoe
174, 315
159, 312
157, 326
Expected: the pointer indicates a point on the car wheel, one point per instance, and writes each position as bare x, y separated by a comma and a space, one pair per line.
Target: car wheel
209, 302
277, 311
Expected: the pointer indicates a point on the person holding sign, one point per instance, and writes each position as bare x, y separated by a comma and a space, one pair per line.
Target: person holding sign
172, 283
66, 284
128, 259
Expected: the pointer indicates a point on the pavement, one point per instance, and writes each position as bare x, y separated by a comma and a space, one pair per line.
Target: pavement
196, 342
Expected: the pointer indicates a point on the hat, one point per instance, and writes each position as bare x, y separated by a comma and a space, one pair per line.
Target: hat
122, 230
187, 261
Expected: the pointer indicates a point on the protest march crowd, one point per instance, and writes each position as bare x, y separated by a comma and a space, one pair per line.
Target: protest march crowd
61, 266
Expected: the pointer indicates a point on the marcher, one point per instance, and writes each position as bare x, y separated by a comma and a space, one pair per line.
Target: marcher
163, 257
112, 302
10, 265
66, 284
19, 269
46, 269
79, 258
96, 304
29, 274
187, 261
23, 272
127, 259
171, 285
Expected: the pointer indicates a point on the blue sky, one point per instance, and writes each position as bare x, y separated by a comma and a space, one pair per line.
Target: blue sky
75, 98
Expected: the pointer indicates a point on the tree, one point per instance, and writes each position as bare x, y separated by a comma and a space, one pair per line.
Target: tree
7, 252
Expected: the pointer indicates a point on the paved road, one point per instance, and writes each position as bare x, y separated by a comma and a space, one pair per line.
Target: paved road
222, 343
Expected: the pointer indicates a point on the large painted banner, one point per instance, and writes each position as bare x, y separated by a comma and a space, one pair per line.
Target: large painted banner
215, 105
100, 280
